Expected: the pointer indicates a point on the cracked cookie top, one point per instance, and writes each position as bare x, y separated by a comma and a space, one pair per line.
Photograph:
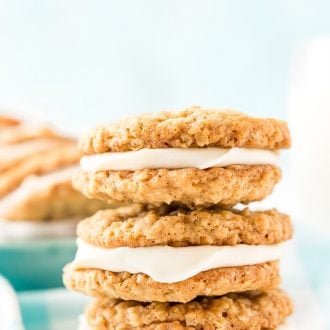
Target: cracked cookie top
193, 127
142, 226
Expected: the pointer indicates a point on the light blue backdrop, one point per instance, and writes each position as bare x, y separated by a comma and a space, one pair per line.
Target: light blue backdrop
83, 62
89, 61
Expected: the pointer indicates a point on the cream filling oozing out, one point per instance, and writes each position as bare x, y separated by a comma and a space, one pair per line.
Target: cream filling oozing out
173, 264
174, 158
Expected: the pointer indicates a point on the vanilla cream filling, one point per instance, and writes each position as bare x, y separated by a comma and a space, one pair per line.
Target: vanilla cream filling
29, 229
34, 184
200, 158
172, 264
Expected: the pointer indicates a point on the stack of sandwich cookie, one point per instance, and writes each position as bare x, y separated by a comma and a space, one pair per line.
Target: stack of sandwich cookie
184, 258
36, 193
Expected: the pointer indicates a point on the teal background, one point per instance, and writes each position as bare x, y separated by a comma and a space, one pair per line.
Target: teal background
35, 264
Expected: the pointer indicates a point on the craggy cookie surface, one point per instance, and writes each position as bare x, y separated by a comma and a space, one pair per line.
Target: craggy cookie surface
141, 287
191, 128
192, 187
245, 311
139, 226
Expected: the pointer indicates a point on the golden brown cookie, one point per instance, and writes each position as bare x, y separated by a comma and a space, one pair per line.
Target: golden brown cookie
193, 127
36, 167
63, 155
245, 311
12, 155
140, 226
192, 187
239, 182
56, 201
141, 287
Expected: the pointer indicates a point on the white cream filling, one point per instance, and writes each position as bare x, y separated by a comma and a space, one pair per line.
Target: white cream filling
28, 229
200, 158
34, 184
172, 264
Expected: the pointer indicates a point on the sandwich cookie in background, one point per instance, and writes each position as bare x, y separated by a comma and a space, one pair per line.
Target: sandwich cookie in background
36, 167
38, 201
184, 258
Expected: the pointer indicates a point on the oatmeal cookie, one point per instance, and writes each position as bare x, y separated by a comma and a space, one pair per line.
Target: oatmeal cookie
63, 155
193, 127
245, 311
188, 186
142, 226
141, 287
56, 201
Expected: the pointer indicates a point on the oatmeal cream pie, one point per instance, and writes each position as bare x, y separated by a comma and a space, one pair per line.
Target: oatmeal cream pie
176, 254
195, 157
36, 168
246, 311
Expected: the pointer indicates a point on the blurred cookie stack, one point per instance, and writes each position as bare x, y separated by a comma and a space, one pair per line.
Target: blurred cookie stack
183, 257
36, 194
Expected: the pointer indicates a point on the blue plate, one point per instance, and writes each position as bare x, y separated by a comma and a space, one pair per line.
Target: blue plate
36, 264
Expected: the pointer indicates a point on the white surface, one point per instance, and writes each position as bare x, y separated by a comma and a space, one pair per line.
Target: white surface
83, 324
10, 318
159, 261
309, 116
200, 158
307, 311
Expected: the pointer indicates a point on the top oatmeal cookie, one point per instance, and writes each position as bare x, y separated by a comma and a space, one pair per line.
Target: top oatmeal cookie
193, 127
